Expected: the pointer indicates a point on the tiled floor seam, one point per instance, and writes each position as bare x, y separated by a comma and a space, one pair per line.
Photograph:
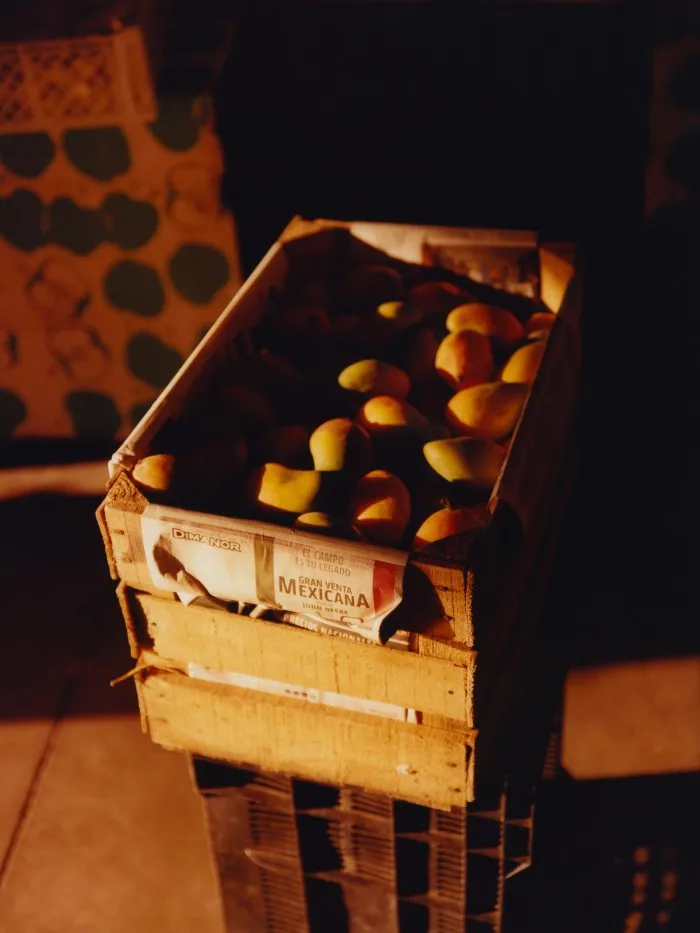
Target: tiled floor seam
34, 786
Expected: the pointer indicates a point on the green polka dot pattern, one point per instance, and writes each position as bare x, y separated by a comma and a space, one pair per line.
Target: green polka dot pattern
151, 360
27, 154
21, 220
129, 224
198, 272
136, 287
13, 411
94, 414
101, 153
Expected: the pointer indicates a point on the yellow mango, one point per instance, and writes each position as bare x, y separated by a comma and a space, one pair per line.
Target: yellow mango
496, 323
401, 314
340, 444
380, 508
277, 487
523, 365
384, 415
155, 473
447, 522
489, 410
325, 524
374, 377
464, 359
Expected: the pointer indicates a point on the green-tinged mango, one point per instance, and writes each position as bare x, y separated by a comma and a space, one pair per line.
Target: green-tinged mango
471, 461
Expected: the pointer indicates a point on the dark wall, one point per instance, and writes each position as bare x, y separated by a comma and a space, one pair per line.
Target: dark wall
504, 114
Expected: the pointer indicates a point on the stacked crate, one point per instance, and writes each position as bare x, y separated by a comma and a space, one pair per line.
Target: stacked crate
375, 820
296, 856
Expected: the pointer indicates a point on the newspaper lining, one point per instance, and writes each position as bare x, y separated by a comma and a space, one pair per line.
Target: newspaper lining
352, 585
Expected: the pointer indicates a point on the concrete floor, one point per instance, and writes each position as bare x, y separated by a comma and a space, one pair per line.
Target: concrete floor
99, 828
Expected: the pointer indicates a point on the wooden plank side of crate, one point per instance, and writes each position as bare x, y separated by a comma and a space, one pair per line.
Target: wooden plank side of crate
417, 763
224, 641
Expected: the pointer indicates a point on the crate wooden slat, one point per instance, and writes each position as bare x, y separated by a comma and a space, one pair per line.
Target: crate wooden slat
223, 641
400, 759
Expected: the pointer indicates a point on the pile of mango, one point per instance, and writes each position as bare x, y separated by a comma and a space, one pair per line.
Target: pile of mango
372, 409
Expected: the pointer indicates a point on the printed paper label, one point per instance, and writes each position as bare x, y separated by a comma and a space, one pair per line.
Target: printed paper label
354, 585
311, 695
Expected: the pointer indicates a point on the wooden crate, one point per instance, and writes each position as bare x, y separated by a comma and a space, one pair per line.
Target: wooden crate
298, 856
458, 600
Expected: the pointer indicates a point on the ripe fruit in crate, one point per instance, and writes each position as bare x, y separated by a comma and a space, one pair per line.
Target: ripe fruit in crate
435, 298
156, 473
301, 322
278, 488
447, 522
464, 359
325, 524
400, 314
417, 354
384, 416
380, 508
497, 323
374, 377
524, 363
248, 409
488, 410
340, 444
287, 444
471, 461
540, 321
369, 286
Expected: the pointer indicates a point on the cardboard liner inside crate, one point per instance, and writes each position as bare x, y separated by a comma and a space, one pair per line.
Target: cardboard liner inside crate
438, 583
